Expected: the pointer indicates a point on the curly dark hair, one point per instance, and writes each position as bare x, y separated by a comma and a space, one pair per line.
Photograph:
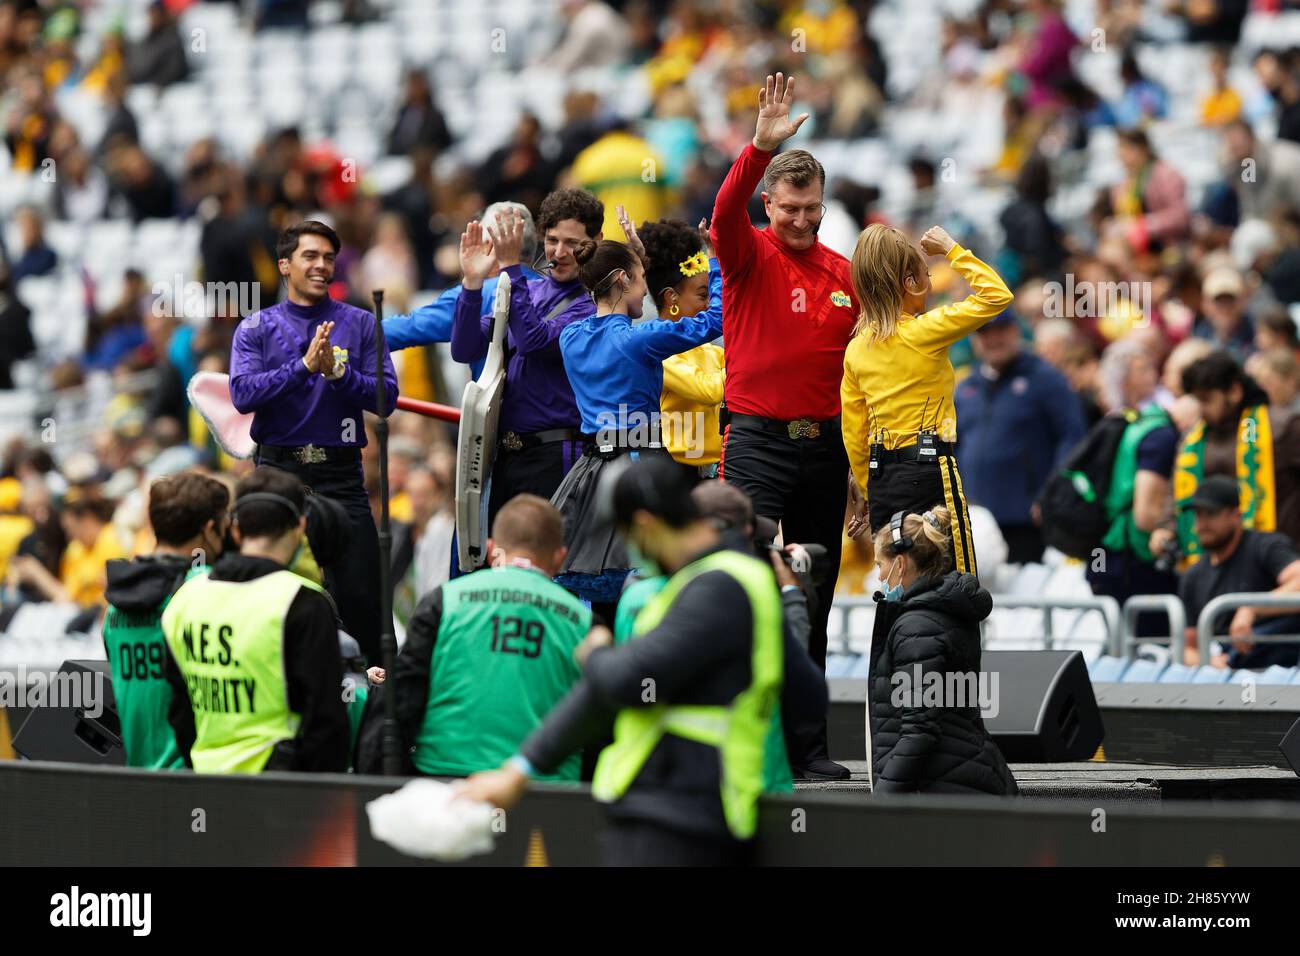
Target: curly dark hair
1218, 372
668, 243
571, 204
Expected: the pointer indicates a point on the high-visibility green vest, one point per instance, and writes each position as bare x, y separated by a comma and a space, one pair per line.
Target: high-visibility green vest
228, 640
502, 661
740, 730
777, 777
1123, 533
133, 641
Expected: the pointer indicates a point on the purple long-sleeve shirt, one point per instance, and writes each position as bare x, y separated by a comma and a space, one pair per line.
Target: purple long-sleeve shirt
538, 396
292, 406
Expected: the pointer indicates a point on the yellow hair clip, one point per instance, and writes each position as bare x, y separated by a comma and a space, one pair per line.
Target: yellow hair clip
694, 265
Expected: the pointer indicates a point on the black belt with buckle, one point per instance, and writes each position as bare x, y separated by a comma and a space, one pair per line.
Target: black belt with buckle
799, 428
612, 444
891, 456
308, 454
518, 441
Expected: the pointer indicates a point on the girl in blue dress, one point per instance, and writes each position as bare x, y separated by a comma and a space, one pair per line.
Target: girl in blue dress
615, 365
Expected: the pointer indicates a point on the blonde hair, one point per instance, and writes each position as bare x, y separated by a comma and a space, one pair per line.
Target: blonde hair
882, 261
931, 535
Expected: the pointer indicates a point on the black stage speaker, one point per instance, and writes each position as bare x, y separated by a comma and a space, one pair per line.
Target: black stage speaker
1047, 710
59, 729
1290, 747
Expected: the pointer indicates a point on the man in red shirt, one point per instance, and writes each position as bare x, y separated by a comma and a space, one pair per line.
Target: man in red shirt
787, 315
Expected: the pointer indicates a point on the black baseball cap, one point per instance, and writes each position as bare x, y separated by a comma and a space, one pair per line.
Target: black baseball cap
1215, 493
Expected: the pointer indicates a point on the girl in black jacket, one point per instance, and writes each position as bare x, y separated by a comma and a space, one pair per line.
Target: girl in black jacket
923, 709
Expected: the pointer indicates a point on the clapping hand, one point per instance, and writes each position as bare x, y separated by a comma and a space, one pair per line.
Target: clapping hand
703, 229
629, 232
507, 235
320, 352
477, 258
774, 126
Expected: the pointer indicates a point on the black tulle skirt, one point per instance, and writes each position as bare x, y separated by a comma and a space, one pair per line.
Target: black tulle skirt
597, 562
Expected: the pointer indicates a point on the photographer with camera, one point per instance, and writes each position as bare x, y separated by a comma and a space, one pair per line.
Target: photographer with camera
253, 648
692, 696
732, 514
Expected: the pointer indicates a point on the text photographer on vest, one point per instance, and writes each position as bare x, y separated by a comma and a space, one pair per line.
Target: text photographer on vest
188, 515
254, 660
488, 655
306, 369
691, 696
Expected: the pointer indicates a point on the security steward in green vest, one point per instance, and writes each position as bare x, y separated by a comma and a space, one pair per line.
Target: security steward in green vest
691, 696
488, 655
188, 515
254, 659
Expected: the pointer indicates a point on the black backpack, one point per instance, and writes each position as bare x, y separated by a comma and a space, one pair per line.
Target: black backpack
1073, 502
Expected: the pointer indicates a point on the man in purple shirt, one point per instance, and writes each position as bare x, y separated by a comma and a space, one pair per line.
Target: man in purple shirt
539, 425
305, 369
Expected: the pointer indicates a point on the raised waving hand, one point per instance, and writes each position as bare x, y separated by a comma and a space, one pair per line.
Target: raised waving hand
774, 126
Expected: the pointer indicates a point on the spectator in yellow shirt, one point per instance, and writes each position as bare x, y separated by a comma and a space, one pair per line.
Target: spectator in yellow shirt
622, 169
898, 420
1221, 105
92, 543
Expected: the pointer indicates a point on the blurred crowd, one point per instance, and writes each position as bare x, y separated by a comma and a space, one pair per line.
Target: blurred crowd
1111, 307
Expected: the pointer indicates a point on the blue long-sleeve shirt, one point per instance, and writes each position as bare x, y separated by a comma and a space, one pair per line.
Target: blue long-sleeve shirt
432, 323
538, 396
291, 405
616, 367
1012, 434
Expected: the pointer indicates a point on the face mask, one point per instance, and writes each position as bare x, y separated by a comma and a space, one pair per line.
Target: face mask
894, 593
649, 567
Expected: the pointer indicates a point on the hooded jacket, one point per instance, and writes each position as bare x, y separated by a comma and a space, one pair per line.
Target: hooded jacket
920, 744
138, 592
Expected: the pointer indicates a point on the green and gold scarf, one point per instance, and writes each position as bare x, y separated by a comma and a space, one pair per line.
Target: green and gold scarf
1255, 477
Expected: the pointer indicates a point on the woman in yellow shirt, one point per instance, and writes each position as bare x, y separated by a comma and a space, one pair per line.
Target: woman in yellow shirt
898, 419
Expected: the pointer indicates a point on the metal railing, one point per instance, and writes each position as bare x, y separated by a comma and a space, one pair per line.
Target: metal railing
1230, 602
1171, 605
1106, 606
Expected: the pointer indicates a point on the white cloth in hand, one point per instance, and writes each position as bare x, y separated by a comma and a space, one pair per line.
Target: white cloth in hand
421, 819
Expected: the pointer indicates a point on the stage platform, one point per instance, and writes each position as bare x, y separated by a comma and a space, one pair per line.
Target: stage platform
1179, 725
1092, 781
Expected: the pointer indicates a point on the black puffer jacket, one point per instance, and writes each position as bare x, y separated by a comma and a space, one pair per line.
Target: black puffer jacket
931, 749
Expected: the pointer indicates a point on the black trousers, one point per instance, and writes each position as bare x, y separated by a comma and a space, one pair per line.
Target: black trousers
803, 484
538, 471
916, 487
353, 581
641, 843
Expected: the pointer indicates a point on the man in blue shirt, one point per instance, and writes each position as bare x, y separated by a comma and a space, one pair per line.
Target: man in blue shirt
305, 368
1016, 421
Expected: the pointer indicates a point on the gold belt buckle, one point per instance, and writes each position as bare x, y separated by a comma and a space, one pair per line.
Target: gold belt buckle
512, 442
311, 455
803, 428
